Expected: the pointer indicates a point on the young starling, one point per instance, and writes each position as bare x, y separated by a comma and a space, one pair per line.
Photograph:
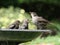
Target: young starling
14, 25
25, 24
40, 22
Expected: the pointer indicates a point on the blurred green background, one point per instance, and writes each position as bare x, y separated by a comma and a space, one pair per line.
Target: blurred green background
11, 10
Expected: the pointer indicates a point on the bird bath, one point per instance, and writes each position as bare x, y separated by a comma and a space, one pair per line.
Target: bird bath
15, 36
19, 35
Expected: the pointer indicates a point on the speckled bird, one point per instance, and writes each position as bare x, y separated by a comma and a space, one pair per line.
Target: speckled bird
14, 25
39, 21
24, 24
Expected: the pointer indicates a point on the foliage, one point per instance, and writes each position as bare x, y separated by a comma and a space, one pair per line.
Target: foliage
17, 2
53, 26
7, 16
46, 1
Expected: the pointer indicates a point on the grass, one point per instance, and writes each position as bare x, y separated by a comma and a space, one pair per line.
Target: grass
50, 39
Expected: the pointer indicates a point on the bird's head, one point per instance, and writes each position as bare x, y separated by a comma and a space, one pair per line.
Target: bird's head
26, 21
17, 22
33, 14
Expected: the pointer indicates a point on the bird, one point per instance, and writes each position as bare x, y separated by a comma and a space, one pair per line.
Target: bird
24, 24
39, 21
14, 25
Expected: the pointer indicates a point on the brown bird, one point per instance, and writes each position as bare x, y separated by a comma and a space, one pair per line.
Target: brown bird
25, 24
14, 25
40, 22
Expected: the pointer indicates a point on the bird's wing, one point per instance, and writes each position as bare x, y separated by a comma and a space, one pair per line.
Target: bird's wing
42, 19
11, 26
